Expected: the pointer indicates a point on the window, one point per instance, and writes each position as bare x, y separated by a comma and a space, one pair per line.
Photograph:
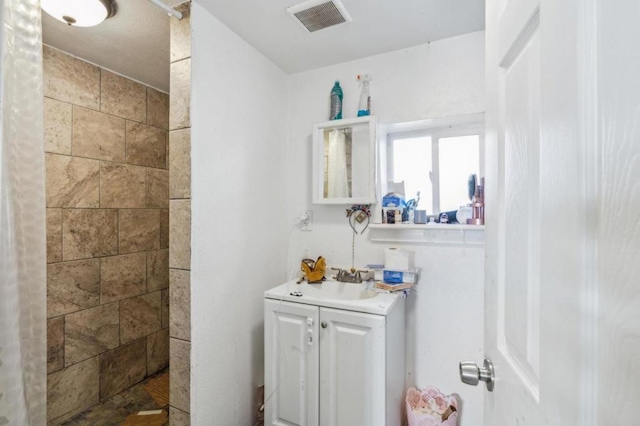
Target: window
437, 162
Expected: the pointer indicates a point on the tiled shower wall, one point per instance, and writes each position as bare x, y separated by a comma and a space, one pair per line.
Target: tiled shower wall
180, 207
107, 186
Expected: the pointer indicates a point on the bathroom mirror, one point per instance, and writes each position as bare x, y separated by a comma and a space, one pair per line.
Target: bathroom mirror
344, 161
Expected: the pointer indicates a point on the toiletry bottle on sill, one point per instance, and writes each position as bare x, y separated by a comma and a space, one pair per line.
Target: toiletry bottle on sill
364, 108
336, 102
391, 216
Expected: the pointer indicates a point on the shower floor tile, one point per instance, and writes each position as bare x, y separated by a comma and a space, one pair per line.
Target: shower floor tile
122, 409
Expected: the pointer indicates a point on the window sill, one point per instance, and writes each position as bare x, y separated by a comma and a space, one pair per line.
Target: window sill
440, 234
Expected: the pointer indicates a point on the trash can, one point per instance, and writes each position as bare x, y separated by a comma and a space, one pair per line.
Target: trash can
430, 407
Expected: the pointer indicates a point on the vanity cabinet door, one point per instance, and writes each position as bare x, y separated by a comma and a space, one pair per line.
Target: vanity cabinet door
291, 364
352, 368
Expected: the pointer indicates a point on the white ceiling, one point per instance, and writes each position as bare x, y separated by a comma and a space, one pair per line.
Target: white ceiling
135, 42
378, 26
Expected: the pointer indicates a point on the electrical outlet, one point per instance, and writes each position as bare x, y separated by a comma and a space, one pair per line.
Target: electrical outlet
306, 221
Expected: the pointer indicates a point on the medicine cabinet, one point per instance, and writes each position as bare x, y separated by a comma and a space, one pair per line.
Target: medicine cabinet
344, 155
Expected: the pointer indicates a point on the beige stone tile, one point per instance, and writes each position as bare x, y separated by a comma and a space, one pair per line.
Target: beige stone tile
167, 139
54, 235
157, 109
55, 344
146, 145
89, 233
70, 79
157, 188
180, 165
123, 97
122, 186
122, 367
139, 230
90, 332
72, 286
180, 372
179, 417
164, 228
157, 351
140, 316
122, 276
180, 304
98, 135
157, 269
57, 126
180, 100
72, 181
180, 234
181, 34
72, 390
165, 308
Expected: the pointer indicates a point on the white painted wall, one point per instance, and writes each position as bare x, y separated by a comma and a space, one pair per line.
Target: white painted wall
445, 314
251, 179
239, 232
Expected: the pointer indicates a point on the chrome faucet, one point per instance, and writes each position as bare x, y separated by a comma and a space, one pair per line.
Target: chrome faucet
353, 276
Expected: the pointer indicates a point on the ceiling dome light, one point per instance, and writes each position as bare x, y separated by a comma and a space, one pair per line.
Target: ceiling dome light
80, 13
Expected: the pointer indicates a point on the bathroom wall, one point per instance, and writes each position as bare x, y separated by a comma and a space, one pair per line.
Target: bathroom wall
445, 312
180, 219
251, 137
239, 227
107, 194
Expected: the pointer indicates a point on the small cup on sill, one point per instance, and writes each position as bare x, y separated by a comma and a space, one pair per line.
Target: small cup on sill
420, 217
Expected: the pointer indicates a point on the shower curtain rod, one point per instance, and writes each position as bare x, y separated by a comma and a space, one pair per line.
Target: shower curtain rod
171, 11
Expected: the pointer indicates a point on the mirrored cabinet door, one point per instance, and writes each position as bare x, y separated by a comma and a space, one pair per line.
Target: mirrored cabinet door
344, 161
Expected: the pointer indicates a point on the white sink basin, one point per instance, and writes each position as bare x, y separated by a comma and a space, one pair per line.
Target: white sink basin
337, 291
333, 294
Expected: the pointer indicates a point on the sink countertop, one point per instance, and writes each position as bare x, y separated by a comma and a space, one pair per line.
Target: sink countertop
338, 295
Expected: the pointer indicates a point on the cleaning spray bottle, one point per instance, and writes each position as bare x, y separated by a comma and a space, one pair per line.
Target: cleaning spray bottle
365, 97
336, 102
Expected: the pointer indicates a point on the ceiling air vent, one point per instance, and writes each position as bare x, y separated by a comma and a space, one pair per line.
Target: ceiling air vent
317, 15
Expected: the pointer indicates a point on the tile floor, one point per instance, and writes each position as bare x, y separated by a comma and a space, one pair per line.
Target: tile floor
122, 409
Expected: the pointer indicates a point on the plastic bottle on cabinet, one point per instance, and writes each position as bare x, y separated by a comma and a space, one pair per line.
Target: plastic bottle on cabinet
336, 102
364, 107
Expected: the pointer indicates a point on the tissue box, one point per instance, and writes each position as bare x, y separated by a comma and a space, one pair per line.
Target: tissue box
394, 277
393, 200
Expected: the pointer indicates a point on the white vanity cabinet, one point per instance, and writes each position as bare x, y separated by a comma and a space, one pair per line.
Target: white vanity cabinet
333, 367
352, 368
292, 364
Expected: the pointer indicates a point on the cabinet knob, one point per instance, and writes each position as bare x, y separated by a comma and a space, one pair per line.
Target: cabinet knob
323, 324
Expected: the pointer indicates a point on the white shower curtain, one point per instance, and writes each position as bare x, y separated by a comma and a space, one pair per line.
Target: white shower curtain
338, 184
23, 326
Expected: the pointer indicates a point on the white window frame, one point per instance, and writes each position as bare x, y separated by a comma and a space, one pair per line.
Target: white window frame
435, 133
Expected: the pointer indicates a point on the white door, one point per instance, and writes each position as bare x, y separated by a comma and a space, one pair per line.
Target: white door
291, 364
562, 196
512, 338
352, 369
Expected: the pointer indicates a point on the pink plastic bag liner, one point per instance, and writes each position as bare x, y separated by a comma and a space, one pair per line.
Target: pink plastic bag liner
430, 407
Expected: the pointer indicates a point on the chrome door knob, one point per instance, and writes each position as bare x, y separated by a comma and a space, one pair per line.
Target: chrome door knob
471, 374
